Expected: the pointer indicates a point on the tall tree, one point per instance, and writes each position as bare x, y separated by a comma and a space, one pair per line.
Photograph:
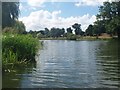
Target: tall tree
46, 31
10, 13
89, 30
69, 30
56, 32
109, 14
77, 28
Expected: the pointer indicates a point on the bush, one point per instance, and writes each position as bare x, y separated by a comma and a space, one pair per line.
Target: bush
10, 30
18, 48
71, 36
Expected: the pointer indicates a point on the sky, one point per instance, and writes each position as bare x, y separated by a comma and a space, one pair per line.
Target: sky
39, 14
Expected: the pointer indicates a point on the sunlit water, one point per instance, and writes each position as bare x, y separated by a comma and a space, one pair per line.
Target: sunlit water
72, 64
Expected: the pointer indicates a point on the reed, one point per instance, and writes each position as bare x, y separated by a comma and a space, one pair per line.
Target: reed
18, 48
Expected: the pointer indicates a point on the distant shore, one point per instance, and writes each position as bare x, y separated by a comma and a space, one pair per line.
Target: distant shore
80, 38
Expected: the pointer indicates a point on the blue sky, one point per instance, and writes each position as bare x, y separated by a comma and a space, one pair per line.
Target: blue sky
68, 9
39, 14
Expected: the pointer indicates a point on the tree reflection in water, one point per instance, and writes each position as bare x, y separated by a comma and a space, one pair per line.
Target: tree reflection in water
108, 60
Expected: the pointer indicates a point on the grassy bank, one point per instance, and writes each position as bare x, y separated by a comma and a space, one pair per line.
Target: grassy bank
94, 38
18, 49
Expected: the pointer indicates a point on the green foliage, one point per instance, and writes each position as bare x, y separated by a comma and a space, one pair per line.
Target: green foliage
18, 48
39, 35
56, 32
99, 27
71, 36
109, 15
9, 30
10, 13
69, 30
77, 28
33, 33
89, 30
19, 27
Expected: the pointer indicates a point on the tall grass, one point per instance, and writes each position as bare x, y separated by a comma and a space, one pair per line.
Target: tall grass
18, 48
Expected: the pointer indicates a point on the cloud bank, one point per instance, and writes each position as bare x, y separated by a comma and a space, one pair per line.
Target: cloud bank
41, 19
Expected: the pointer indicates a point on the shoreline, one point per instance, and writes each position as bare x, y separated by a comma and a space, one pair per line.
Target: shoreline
80, 38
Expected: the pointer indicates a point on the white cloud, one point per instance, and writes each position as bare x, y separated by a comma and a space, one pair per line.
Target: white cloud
40, 19
91, 2
36, 3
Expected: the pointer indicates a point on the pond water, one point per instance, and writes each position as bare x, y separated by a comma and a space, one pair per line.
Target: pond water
71, 64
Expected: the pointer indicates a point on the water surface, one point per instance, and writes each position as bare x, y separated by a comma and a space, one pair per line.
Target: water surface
74, 64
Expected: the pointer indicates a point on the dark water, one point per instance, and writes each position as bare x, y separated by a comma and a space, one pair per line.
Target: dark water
71, 64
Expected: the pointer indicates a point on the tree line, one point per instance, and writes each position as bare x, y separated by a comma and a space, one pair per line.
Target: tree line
108, 21
58, 32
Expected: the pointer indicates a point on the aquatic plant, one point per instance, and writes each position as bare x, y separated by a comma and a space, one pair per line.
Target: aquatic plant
18, 48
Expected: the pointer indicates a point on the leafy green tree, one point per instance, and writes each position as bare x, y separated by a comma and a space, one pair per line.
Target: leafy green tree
77, 28
109, 14
100, 27
56, 32
69, 30
62, 31
71, 36
39, 35
10, 13
46, 32
42, 32
89, 30
114, 26
33, 33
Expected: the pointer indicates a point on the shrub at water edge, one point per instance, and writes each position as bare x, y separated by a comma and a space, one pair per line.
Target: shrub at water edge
18, 48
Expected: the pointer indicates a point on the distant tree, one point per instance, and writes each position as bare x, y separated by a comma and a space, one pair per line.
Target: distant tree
42, 32
69, 30
53, 32
33, 33
30, 32
62, 31
46, 32
39, 35
71, 36
56, 32
10, 13
77, 28
89, 30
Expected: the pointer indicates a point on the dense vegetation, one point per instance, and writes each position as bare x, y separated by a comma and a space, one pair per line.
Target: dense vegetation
59, 32
17, 47
108, 21
10, 13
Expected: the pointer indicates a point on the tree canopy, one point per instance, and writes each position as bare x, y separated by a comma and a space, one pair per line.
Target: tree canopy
69, 30
109, 15
10, 13
108, 20
77, 28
